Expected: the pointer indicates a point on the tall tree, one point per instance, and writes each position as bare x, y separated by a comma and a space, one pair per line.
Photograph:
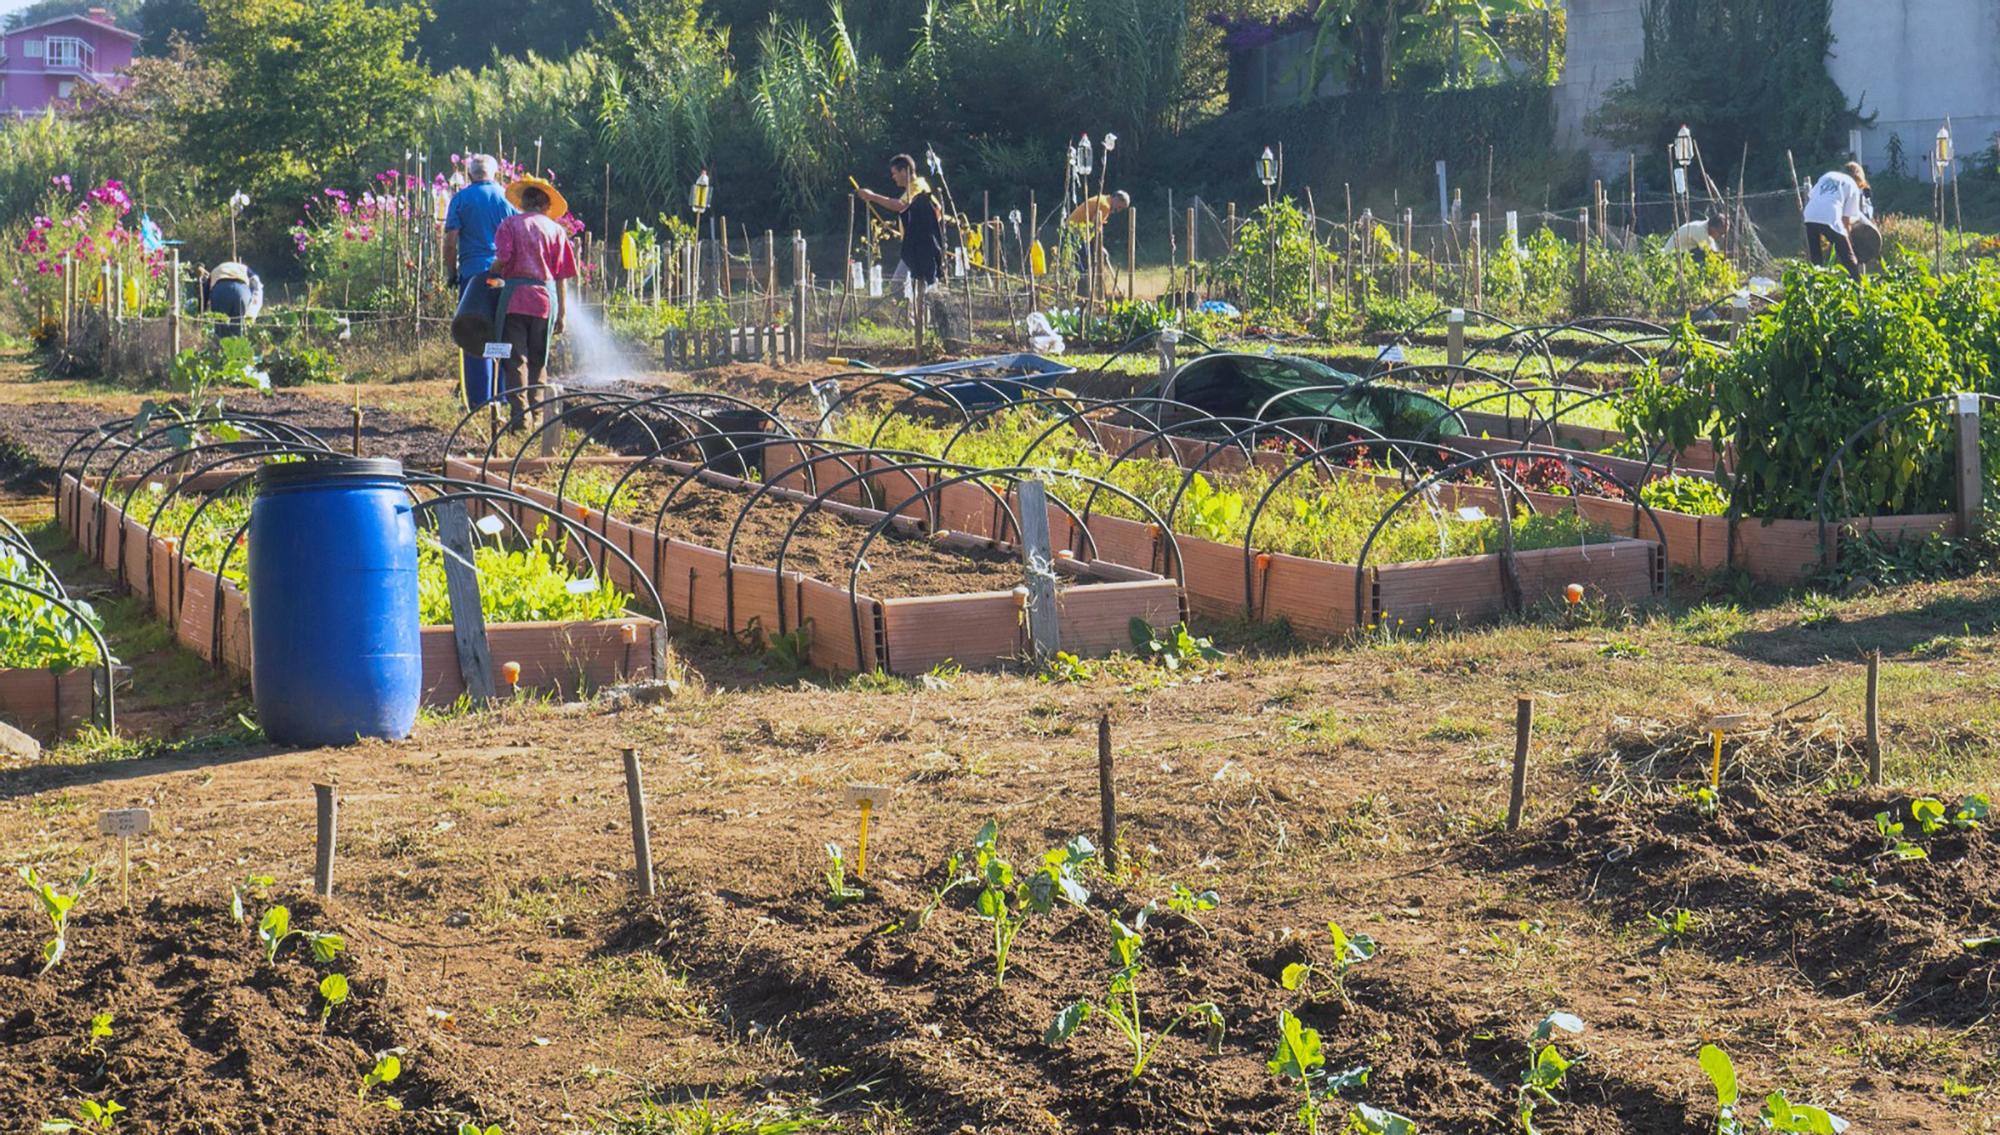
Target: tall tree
306, 87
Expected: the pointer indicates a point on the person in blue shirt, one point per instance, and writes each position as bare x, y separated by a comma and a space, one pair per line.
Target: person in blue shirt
470, 222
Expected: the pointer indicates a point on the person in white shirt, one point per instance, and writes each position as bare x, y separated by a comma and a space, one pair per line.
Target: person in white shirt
1701, 237
1832, 209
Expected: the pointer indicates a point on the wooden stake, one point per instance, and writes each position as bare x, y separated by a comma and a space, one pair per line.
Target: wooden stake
1524, 726
1874, 718
642, 845
328, 807
1107, 794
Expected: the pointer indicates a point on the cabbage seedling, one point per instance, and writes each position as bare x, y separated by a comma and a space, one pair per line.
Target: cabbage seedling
57, 906
475, 1129
1348, 951
275, 928
332, 995
252, 883
1546, 1066
838, 891
1121, 1004
90, 1116
1300, 1060
388, 1066
1777, 1112
1183, 902
1893, 844
1008, 901
100, 1030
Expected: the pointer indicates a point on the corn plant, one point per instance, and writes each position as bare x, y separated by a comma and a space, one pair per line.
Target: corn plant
1300, 1061
100, 1031
837, 889
1777, 1112
1120, 1004
1547, 1067
253, 884
388, 1066
1348, 951
1008, 899
57, 906
332, 995
91, 1115
275, 929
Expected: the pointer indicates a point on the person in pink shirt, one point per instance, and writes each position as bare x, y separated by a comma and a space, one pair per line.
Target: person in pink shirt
532, 259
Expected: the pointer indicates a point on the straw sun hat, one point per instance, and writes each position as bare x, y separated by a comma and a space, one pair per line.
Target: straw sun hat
557, 205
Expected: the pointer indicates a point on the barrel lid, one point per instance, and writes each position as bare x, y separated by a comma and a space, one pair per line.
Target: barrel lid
334, 467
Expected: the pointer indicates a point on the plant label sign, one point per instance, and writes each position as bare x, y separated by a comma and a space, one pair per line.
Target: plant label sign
1724, 722
498, 350
874, 795
125, 823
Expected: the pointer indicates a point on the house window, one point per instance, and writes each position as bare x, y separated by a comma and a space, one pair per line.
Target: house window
65, 89
65, 51
31, 49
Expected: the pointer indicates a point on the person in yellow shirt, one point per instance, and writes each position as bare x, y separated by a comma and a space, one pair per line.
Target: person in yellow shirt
1089, 219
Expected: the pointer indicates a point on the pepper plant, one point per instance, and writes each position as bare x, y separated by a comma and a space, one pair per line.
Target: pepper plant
1120, 1005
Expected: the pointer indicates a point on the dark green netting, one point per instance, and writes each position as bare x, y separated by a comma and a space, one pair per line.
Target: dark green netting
1232, 385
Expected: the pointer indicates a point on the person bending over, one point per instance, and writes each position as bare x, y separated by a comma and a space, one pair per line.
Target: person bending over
1831, 211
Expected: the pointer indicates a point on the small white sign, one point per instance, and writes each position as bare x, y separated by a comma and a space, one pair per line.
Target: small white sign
498, 350
1471, 513
491, 525
1968, 405
124, 823
1724, 722
872, 794
1390, 354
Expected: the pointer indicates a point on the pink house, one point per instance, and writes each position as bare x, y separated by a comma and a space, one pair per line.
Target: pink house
57, 61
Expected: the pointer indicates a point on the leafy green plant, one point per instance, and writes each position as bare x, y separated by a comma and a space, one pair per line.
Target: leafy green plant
1008, 900
1120, 1005
1066, 667
1348, 951
1893, 844
388, 1066
275, 929
837, 889
1174, 648
332, 995
1300, 1060
254, 884
792, 650
58, 907
471, 1128
37, 633
100, 1031
1547, 1067
529, 584
1672, 927
1694, 496
90, 1115
301, 364
1182, 901
1777, 1113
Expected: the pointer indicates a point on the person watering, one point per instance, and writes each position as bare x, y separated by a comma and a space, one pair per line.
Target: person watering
1089, 219
532, 263
232, 290
471, 221
1832, 211
921, 219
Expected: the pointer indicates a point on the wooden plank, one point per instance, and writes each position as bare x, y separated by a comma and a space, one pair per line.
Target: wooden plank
1038, 567
461, 582
971, 630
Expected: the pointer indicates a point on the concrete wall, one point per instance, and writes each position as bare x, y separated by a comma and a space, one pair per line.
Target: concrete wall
1606, 39
1912, 63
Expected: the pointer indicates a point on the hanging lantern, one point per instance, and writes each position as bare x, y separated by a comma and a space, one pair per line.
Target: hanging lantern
1267, 168
698, 197
1110, 142
1083, 158
1684, 147
1941, 154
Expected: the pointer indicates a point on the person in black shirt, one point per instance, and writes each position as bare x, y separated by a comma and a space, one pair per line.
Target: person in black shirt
921, 217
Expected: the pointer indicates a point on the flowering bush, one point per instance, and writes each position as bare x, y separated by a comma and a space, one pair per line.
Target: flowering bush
90, 233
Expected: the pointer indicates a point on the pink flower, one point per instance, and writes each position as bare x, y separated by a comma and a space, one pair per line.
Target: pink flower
61, 181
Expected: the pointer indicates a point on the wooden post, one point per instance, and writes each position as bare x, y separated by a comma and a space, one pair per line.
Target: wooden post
642, 841
1582, 262
1131, 253
328, 807
801, 294
1193, 249
468, 621
552, 438
1454, 336
174, 303
1965, 418
1517, 794
1874, 718
1107, 795
1409, 248
1038, 562
917, 313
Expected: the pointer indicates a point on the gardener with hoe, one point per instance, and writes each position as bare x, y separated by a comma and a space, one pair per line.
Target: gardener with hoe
1089, 218
1832, 212
532, 264
1699, 238
471, 222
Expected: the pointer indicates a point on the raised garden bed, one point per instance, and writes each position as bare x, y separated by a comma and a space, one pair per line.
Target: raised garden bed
948, 596
52, 655
556, 658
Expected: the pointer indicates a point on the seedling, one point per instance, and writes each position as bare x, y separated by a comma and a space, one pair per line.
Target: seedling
332, 995
1008, 901
1172, 648
1547, 1067
1777, 1113
1348, 951
1893, 844
251, 883
1120, 1003
837, 890
275, 929
1300, 1060
90, 1116
955, 876
388, 1066
1970, 811
1187, 903
1928, 811
1672, 927
475, 1129
100, 1030
57, 906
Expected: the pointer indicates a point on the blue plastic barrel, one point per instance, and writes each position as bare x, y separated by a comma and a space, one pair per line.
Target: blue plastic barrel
336, 653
